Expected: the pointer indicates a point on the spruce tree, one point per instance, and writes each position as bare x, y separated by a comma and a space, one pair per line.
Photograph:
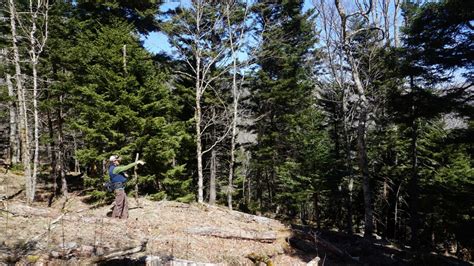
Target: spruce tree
281, 96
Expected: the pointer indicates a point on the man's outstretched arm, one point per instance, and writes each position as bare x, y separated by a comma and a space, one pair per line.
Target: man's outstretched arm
123, 168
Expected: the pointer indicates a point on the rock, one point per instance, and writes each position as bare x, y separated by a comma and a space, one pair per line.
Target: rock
68, 245
99, 251
153, 261
87, 251
314, 262
55, 254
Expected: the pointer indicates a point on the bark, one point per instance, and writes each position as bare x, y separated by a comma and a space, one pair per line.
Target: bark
386, 21
362, 118
198, 111
212, 180
122, 252
34, 62
396, 38
36, 48
52, 148
77, 167
316, 209
197, 118
235, 108
23, 116
364, 166
61, 151
13, 139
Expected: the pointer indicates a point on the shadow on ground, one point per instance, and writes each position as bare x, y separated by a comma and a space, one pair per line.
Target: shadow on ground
336, 248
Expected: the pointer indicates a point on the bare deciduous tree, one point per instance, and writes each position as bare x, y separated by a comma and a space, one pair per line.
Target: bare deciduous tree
37, 43
235, 46
23, 127
202, 58
351, 77
38, 13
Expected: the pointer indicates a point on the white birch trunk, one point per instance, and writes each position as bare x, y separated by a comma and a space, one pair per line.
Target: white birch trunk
235, 108
36, 48
197, 118
23, 116
34, 63
212, 180
396, 38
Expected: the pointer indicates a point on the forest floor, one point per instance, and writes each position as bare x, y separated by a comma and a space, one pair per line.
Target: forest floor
74, 232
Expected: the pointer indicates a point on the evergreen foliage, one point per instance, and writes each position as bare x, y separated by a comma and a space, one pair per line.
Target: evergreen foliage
282, 99
102, 93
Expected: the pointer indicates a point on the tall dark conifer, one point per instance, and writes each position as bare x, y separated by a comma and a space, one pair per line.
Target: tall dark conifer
281, 95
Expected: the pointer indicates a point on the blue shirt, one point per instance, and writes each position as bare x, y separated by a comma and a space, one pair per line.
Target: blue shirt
118, 177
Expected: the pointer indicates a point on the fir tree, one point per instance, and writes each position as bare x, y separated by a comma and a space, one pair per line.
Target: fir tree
281, 96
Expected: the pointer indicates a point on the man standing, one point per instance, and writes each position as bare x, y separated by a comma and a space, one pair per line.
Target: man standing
118, 179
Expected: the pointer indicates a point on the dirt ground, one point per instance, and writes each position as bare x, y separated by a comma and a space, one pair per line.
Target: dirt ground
75, 232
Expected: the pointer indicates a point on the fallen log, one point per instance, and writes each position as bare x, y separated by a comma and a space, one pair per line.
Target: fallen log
4, 197
121, 252
240, 216
265, 237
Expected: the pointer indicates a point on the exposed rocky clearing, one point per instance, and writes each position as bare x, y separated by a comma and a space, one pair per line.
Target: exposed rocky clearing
73, 231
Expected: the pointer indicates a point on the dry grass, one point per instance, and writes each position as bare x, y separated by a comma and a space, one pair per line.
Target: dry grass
72, 230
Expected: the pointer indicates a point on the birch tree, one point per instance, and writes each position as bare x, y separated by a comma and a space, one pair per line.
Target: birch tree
37, 38
192, 32
33, 25
236, 41
23, 127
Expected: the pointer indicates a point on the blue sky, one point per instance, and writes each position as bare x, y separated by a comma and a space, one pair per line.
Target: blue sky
157, 42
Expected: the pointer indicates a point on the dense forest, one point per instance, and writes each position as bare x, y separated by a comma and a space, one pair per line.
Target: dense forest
353, 116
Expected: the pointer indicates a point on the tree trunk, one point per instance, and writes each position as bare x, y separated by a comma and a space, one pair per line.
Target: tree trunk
386, 21
316, 209
52, 147
347, 158
34, 54
77, 167
61, 151
197, 117
232, 146
23, 115
36, 47
396, 38
413, 185
212, 180
350, 225
364, 166
13, 154
235, 108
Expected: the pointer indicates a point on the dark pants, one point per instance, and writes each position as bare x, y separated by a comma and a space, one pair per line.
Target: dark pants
121, 204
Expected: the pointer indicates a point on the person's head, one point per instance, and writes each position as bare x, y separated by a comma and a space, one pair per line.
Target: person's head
115, 159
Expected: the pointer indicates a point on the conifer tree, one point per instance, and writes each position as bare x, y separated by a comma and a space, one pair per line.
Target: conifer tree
281, 96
